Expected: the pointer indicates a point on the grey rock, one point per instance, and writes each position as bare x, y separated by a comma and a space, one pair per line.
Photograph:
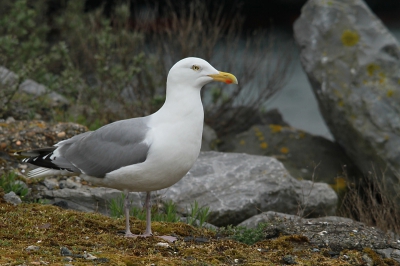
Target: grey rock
31, 87
10, 120
334, 233
368, 261
87, 199
303, 155
7, 77
265, 217
32, 248
331, 219
353, 65
51, 183
237, 186
12, 198
385, 253
69, 183
396, 255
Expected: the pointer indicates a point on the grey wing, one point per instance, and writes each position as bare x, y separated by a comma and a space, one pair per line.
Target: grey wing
109, 148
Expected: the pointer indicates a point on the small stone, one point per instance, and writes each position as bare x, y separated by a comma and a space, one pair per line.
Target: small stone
65, 251
51, 183
315, 250
61, 135
68, 259
18, 143
289, 259
22, 166
12, 198
69, 184
89, 256
385, 253
367, 260
10, 119
396, 255
161, 244
32, 248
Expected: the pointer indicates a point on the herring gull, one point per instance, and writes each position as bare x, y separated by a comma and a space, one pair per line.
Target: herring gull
141, 154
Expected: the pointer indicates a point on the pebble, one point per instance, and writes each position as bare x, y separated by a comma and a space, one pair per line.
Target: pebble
10, 119
161, 244
3, 145
89, 256
51, 183
61, 134
68, 259
65, 251
18, 143
289, 259
32, 248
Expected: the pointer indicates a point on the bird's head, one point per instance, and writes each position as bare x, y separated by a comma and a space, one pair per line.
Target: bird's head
196, 72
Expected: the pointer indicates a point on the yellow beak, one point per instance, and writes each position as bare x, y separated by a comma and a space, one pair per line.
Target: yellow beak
228, 78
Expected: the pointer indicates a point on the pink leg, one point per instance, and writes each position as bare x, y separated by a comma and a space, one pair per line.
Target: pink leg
127, 206
148, 231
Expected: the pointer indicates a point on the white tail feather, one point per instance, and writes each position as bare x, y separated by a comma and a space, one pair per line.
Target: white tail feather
43, 172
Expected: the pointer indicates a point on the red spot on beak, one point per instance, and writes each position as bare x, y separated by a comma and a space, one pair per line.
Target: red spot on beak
228, 81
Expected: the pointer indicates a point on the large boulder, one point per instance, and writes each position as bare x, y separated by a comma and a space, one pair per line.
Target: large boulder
238, 186
305, 156
353, 65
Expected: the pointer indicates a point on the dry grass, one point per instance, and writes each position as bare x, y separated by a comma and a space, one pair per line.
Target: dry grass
368, 201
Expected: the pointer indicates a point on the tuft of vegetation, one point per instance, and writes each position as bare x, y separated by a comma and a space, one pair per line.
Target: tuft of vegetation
369, 201
248, 236
196, 215
9, 182
114, 67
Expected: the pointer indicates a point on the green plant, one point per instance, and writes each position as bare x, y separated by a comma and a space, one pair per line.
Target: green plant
116, 206
114, 67
196, 213
243, 234
165, 214
9, 182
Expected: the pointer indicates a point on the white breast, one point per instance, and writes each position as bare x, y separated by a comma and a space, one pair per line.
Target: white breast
175, 142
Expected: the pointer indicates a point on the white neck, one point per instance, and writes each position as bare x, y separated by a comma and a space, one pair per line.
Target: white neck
182, 103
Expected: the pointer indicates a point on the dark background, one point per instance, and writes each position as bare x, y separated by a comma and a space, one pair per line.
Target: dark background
261, 13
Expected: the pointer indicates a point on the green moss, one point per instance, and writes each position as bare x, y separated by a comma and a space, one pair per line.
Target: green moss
50, 228
372, 68
350, 38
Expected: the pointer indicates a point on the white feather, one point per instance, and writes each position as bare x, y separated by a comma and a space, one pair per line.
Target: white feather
43, 172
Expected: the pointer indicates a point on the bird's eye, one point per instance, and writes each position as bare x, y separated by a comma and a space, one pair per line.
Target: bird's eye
195, 68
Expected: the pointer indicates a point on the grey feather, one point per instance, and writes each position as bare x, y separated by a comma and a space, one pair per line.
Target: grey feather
109, 148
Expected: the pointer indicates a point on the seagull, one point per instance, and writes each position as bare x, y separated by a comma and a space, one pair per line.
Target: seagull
140, 154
